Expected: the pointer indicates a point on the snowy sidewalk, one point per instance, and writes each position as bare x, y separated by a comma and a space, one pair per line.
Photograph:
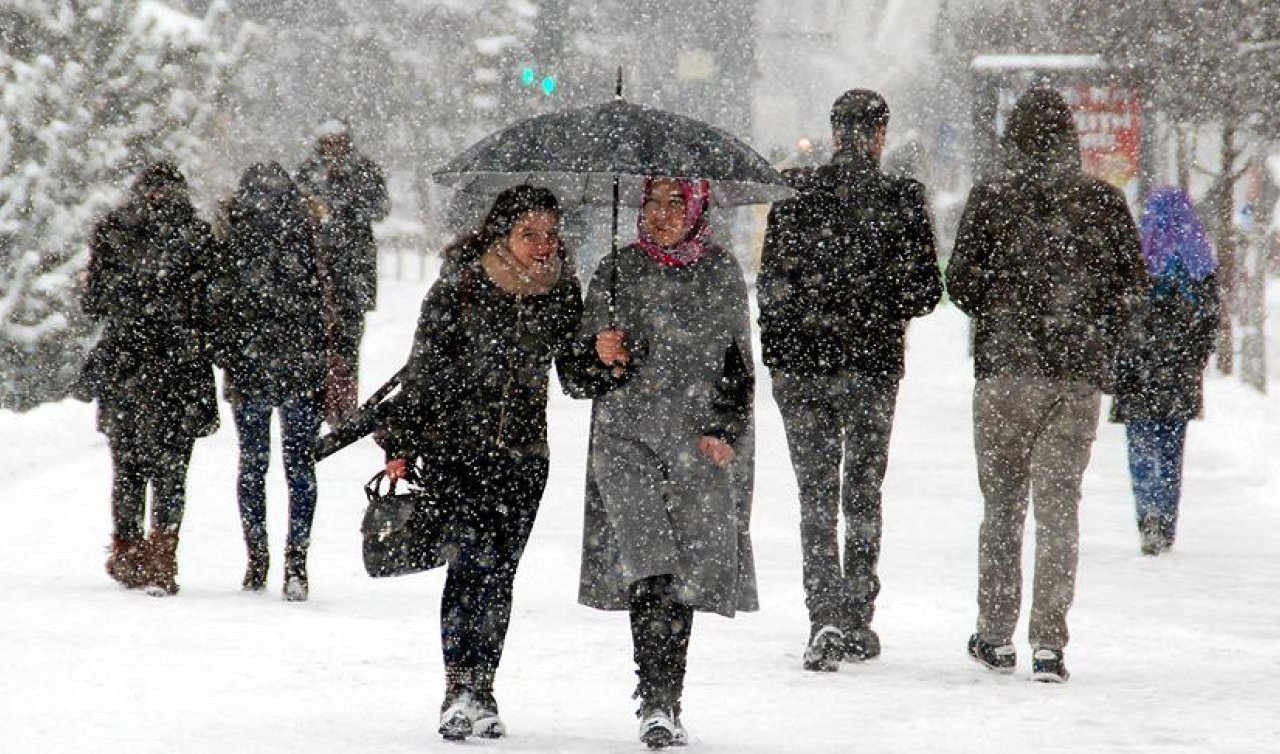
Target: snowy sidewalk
1180, 653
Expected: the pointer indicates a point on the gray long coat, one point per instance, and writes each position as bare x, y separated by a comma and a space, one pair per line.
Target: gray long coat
654, 504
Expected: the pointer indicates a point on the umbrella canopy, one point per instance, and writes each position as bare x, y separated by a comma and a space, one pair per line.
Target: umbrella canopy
578, 153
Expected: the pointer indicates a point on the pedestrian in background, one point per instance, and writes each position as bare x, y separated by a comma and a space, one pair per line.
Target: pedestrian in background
345, 194
273, 347
1047, 263
151, 372
1160, 365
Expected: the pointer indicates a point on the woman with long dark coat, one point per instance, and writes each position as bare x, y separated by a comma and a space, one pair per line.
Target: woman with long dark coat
1160, 366
669, 474
473, 411
274, 349
151, 372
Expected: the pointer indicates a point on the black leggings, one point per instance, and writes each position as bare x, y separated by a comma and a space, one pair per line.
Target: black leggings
660, 629
499, 495
138, 461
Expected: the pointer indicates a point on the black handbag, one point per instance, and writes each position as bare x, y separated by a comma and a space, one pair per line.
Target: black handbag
406, 532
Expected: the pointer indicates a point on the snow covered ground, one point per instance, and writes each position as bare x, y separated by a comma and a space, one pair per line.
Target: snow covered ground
1176, 654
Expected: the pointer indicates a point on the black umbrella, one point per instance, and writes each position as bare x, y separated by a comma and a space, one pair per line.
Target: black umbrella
602, 154
581, 152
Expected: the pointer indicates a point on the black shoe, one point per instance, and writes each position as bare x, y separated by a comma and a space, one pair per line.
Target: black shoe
1048, 666
861, 644
825, 650
1001, 659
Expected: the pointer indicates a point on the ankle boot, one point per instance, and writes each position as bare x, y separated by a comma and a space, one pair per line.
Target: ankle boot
163, 559
255, 574
126, 563
296, 588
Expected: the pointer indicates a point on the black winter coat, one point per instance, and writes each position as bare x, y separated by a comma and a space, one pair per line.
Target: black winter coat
1160, 365
148, 283
846, 264
272, 339
478, 375
1047, 262
354, 195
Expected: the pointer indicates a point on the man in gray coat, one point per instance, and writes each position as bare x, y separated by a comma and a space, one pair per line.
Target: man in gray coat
1047, 264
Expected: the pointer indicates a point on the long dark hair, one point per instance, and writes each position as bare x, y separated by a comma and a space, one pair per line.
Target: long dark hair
508, 207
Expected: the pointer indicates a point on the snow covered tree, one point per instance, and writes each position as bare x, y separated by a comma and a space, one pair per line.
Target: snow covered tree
92, 90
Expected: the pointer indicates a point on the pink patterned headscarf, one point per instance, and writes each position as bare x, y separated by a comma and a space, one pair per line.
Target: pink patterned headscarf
694, 245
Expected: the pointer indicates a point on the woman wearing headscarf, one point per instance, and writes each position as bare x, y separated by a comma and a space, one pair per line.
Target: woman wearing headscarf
473, 411
669, 473
273, 348
1160, 366
151, 372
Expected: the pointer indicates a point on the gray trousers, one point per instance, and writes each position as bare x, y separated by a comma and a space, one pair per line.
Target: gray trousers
835, 421
1033, 438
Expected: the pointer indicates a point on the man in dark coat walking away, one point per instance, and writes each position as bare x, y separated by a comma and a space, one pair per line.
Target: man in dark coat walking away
847, 263
345, 193
1047, 264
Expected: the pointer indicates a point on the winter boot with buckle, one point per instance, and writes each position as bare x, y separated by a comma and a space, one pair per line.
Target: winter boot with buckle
127, 562
163, 557
296, 588
459, 710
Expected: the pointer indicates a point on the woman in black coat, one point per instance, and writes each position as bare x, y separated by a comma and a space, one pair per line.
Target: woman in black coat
1160, 366
151, 372
274, 349
473, 409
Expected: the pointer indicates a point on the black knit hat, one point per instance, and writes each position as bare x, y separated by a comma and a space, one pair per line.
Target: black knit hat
859, 112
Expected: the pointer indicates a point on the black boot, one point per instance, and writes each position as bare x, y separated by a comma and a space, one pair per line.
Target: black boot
660, 629
458, 711
255, 574
1149, 531
487, 723
296, 588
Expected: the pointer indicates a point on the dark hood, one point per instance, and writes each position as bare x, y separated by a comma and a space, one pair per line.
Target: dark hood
1042, 132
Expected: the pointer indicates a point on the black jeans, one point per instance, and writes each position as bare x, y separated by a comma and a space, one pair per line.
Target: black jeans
138, 461
499, 495
660, 630
834, 421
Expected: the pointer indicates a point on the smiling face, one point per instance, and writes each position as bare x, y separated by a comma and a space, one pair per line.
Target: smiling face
535, 238
664, 212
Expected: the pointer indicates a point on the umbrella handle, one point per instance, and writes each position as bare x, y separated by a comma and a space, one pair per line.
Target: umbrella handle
613, 247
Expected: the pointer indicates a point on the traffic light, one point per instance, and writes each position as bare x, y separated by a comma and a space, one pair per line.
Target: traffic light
529, 77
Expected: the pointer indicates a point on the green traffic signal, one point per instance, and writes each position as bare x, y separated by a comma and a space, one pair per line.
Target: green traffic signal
549, 85
527, 76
